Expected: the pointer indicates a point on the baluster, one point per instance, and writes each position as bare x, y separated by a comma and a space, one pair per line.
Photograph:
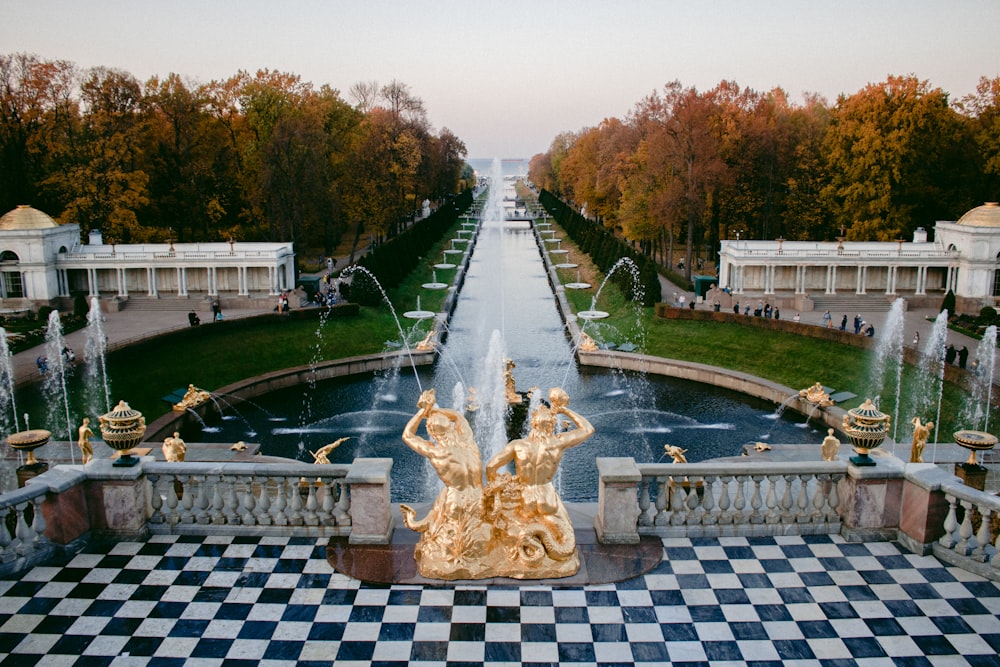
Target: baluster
202, 502
740, 504
310, 517
190, 490
756, 500
786, 501
995, 558
155, 499
677, 502
232, 508
295, 517
725, 503
966, 541
802, 514
25, 534
38, 520
217, 516
343, 509
170, 500
709, 513
278, 516
247, 503
6, 551
693, 500
833, 503
771, 514
950, 524
980, 553
661, 514
644, 518
325, 511
263, 514
823, 483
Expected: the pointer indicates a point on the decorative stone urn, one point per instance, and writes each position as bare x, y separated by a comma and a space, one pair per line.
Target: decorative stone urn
866, 428
122, 429
29, 441
974, 441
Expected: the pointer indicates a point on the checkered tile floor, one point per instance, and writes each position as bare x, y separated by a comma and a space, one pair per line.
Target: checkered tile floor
249, 601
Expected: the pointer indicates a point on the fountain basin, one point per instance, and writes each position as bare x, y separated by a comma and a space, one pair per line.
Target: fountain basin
577, 285
592, 314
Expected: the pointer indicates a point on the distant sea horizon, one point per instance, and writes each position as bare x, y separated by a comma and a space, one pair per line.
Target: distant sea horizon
508, 166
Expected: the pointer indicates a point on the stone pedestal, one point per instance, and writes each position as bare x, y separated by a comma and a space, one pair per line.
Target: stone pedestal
371, 510
617, 502
26, 472
972, 475
870, 500
116, 500
923, 508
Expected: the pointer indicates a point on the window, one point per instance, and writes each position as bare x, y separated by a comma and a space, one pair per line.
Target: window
11, 285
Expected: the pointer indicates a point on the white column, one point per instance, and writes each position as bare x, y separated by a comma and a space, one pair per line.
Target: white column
213, 288
891, 278
182, 288
243, 279
122, 283
921, 280
92, 289
769, 279
151, 281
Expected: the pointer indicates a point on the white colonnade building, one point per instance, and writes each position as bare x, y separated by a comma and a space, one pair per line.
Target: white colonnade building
964, 257
43, 262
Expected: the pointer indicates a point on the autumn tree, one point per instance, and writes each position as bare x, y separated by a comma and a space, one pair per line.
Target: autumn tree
892, 154
982, 112
103, 185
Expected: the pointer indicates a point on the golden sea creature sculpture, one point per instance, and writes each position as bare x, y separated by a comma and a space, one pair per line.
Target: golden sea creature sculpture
587, 344
192, 397
517, 526
920, 434
816, 395
239, 446
427, 344
321, 455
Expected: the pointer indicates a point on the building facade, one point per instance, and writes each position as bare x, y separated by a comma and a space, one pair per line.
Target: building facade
964, 257
42, 262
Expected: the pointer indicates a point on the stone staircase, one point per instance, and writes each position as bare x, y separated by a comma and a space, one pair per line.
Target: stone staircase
166, 303
848, 303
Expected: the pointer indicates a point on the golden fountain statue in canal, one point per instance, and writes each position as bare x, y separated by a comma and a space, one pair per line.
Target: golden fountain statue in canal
517, 526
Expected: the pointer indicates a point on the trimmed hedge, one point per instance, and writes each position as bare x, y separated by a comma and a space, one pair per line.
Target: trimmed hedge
606, 250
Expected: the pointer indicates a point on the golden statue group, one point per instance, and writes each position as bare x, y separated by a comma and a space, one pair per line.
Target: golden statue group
514, 526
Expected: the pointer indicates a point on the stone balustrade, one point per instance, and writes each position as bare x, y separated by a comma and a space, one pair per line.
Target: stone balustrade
23, 542
922, 506
246, 498
721, 499
971, 528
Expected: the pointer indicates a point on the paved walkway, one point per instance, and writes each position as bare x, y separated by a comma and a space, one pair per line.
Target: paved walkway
764, 602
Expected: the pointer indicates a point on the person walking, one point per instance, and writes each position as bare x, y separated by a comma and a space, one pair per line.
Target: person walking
828, 320
963, 356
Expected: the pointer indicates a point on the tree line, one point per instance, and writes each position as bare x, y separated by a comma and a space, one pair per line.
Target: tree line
263, 156
685, 168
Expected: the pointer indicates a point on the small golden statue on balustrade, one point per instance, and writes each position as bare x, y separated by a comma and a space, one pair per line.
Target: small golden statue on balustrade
84, 434
192, 398
174, 449
920, 434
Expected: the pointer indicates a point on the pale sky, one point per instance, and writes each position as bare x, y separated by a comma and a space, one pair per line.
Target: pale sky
507, 77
